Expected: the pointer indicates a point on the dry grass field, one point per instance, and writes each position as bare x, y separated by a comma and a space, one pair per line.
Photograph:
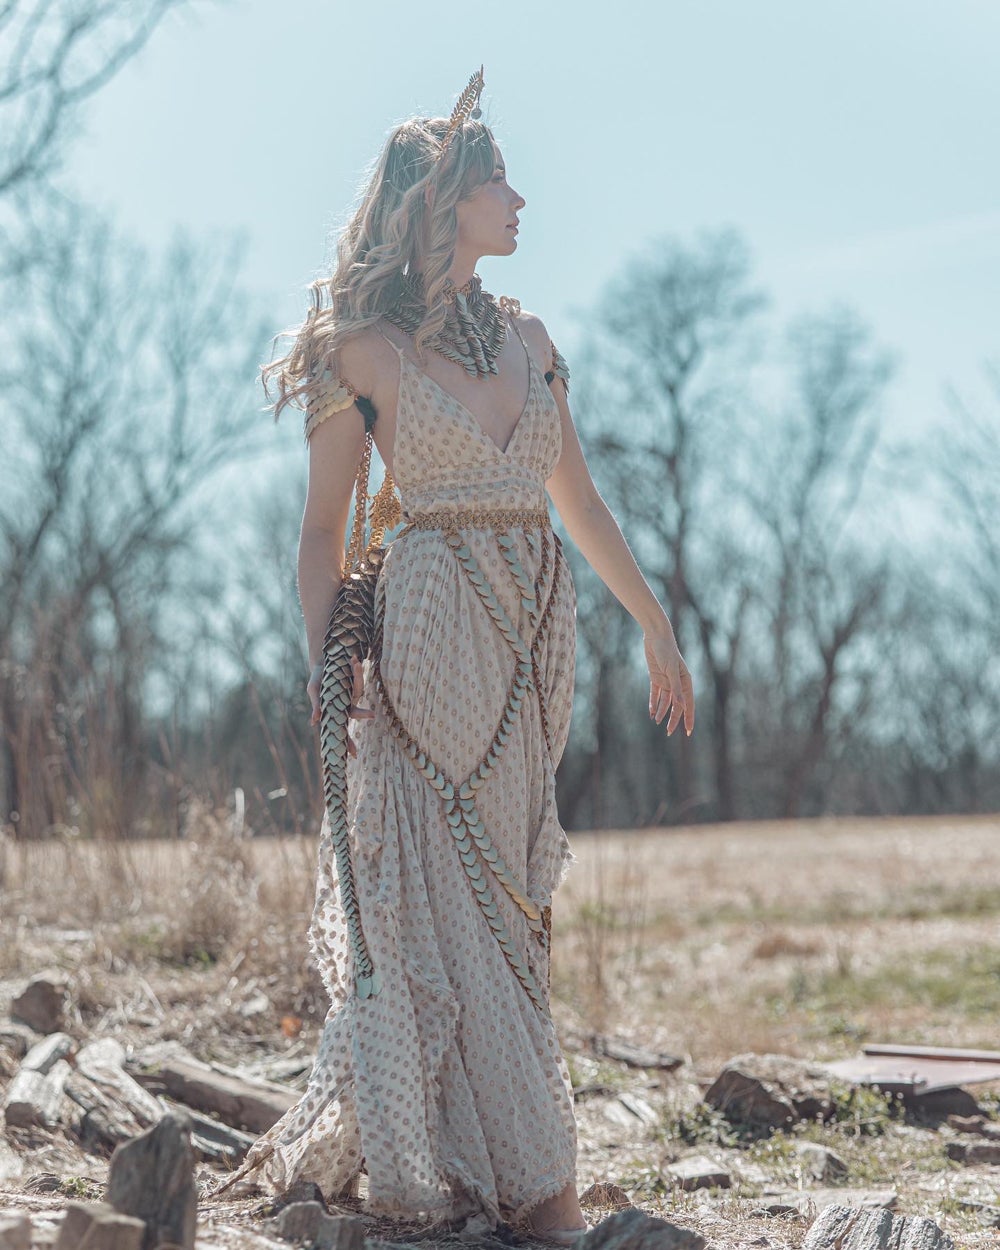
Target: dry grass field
804, 938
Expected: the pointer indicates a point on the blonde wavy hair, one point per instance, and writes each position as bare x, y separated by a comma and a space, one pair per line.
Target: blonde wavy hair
405, 224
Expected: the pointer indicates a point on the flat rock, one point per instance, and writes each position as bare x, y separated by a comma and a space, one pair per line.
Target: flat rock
766, 1092
698, 1172
633, 1056
152, 1178
820, 1163
43, 1001
103, 1228
635, 1230
845, 1228
974, 1151
15, 1230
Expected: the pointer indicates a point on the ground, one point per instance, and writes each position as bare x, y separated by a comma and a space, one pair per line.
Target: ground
804, 938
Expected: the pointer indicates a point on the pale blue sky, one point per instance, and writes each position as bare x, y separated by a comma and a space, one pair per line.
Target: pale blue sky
854, 144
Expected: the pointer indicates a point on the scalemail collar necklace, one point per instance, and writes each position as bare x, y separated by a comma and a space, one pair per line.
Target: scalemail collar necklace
474, 330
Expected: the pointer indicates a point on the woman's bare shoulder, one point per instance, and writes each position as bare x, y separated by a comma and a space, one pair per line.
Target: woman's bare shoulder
364, 357
535, 333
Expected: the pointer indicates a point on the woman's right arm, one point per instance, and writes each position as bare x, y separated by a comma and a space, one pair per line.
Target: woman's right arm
335, 449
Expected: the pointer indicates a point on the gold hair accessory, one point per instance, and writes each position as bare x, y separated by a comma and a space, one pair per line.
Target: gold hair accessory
467, 106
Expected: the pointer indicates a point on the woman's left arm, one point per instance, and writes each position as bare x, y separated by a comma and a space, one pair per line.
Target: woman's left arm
591, 525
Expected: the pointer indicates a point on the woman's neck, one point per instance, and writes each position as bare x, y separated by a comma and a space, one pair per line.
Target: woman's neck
462, 267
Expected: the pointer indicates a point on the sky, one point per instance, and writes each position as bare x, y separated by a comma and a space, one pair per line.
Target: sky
854, 145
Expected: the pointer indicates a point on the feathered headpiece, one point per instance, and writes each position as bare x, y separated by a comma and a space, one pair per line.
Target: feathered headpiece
467, 106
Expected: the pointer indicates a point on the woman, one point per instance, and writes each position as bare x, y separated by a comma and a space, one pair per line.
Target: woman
444, 1078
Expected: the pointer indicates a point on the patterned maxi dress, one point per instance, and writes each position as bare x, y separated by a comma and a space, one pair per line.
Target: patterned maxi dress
449, 1086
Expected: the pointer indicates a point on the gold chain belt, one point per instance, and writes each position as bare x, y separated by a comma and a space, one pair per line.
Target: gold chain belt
480, 518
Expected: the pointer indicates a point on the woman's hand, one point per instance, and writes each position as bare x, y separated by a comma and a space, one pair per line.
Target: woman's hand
669, 681
357, 691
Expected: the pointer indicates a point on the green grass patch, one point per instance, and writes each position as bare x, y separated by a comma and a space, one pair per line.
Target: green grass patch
965, 982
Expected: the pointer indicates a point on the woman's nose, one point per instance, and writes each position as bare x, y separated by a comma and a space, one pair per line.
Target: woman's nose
519, 201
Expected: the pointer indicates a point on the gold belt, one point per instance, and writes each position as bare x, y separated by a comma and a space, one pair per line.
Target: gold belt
480, 518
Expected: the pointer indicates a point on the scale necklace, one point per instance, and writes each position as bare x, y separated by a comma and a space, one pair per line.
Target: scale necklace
474, 330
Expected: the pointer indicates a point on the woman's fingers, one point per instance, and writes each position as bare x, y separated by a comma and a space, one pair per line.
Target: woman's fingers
659, 701
673, 693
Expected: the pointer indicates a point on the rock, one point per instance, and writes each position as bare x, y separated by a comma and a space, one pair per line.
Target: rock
977, 1124
635, 1230
974, 1151
341, 1232
101, 1226
775, 1208
17, 1038
309, 1222
640, 1108
820, 1163
301, 1191
938, 1104
698, 1172
152, 1178
765, 1092
11, 1165
817, 1199
42, 1003
299, 1221
846, 1228
15, 1230
35, 1098
617, 1114
43, 1056
633, 1056
605, 1194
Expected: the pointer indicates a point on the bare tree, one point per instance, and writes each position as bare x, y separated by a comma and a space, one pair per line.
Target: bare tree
122, 392
56, 55
967, 456
826, 577
660, 394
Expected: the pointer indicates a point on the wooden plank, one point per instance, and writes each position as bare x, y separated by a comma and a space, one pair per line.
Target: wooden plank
933, 1052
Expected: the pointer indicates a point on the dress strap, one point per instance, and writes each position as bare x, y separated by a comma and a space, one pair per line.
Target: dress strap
395, 346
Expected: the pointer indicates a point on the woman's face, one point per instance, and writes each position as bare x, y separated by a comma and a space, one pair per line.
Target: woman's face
487, 219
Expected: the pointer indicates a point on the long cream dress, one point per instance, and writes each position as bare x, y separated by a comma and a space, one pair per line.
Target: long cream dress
448, 1086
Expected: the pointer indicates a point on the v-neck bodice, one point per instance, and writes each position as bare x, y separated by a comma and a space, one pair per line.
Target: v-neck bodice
444, 459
